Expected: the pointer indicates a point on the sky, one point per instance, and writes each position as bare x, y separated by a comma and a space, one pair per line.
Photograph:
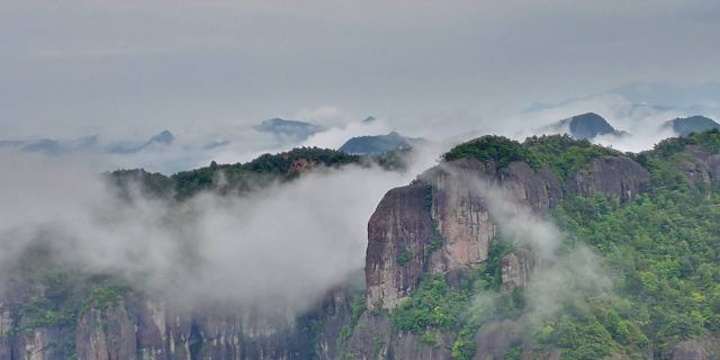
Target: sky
78, 67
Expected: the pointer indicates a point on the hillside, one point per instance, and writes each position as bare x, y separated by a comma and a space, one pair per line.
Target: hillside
552, 248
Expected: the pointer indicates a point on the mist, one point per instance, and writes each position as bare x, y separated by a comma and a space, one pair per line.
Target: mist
281, 247
566, 272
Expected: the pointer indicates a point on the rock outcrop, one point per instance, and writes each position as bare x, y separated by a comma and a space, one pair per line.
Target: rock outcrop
705, 349
617, 176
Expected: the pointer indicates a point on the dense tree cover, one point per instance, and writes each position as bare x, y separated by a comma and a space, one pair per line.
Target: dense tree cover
498, 149
242, 177
709, 140
661, 250
259, 172
559, 153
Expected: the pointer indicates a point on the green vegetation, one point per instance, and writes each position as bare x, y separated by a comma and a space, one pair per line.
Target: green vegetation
40, 312
433, 305
404, 258
709, 140
559, 153
104, 295
563, 155
357, 308
498, 149
261, 171
241, 177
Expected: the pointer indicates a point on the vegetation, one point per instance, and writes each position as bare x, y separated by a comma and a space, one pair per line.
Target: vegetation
261, 171
242, 177
433, 305
404, 258
498, 149
357, 308
41, 312
559, 153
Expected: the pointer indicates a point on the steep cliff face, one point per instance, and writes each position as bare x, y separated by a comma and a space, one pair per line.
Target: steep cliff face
402, 231
699, 164
375, 338
442, 223
106, 334
133, 326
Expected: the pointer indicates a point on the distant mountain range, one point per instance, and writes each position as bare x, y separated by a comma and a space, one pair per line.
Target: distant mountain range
53, 147
591, 125
378, 144
294, 130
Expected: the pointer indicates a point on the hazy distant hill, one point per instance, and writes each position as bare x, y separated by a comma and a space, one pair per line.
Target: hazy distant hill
56, 147
163, 138
378, 144
295, 130
588, 126
692, 124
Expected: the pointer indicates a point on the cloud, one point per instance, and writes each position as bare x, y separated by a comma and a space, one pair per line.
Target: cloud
562, 274
283, 246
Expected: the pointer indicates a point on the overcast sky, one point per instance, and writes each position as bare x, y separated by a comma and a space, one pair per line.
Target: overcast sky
75, 67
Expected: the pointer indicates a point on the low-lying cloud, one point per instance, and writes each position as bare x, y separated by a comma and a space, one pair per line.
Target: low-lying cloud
562, 273
284, 245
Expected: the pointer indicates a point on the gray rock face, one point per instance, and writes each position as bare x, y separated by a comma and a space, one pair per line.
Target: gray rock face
516, 269
494, 339
617, 176
400, 230
706, 349
374, 338
107, 334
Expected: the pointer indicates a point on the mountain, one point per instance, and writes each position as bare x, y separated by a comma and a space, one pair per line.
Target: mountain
587, 126
692, 124
53, 147
294, 130
160, 140
11, 143
552, 248
369, 120
378, 144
